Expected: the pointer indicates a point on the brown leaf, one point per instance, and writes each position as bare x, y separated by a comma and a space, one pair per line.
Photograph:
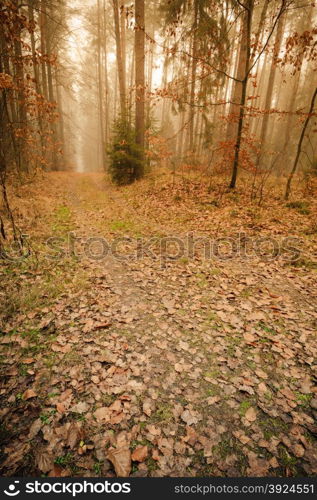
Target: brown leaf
35, 428
250, 414
81, 407
29, 394
191, 436
16, 454
44, 461
116, 406
56, 471
74, 434
189, 418
102, 414
147, 407
61, 348
243, 438
28, 361
249, 337
116, 419
140, 454
298, 450
60, 408
121, 460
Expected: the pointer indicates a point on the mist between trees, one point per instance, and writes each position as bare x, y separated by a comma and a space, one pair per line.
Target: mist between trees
202, 86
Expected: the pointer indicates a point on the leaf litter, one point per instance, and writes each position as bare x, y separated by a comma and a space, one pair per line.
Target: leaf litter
186, 368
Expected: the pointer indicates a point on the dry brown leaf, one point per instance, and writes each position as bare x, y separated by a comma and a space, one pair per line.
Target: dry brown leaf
116, 419
251, 414
80, 407
56, 471
29, 394
191, 436
155, 455
140, 454
28, 361
60, 408
116, 406
121, 460
179, 368
102, 414
74, 434
35, 428
61, 348
147, 407
44, 461
189, 418
249, 337
298, 450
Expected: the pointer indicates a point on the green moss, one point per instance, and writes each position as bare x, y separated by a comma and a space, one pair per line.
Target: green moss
152, 465
244, 406
304, 399
285, 458
97, 468
64, 460
163, 413
273, 427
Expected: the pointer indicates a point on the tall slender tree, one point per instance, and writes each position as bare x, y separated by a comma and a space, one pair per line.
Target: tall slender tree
140, 72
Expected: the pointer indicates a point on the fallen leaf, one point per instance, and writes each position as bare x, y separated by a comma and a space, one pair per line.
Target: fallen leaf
121, 460
102, 414
60, 408
29, 394
251, 414
81, 408
140, 454
74, 434
35, 428
44, 461
298, 450
189, 418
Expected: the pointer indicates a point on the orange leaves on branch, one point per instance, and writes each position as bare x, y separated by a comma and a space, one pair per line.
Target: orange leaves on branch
6, 81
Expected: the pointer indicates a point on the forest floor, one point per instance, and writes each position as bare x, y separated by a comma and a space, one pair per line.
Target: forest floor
157, 360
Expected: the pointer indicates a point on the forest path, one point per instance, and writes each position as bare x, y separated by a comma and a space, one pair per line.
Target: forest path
195, 366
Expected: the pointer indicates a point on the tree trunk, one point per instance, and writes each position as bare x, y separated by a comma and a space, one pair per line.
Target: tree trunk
131, 85
51, 96
245, 56
61, 128
100, 91
43, 48
121, 73
304, 25
239, 74
270, 88
140, 72
193, 79
106, 134
299, 147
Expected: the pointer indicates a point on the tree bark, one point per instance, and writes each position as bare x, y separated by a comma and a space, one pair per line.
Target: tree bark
43, 47
193, 79
100, 90
140, 72
270, 88
299, 147
121, 73
245, 64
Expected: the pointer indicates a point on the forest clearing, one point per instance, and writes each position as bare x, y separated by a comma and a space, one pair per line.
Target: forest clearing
158, 233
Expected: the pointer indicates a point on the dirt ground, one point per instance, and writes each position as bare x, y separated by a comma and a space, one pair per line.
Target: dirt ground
158, 331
